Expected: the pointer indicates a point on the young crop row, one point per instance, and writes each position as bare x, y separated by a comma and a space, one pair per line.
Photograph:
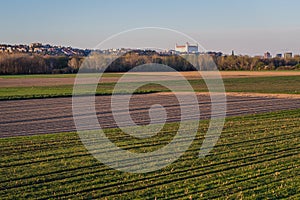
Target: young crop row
256, 155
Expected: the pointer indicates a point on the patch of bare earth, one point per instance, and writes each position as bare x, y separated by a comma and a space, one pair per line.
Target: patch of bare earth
244, 94
54, 115
140, 76
226, 74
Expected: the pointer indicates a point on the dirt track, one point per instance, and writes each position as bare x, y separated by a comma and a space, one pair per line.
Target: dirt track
40, 116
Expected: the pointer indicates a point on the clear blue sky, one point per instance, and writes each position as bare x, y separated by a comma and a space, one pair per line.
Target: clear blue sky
248, 27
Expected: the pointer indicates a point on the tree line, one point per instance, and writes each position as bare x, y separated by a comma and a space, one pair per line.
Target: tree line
44, 64
33, 64
256, 63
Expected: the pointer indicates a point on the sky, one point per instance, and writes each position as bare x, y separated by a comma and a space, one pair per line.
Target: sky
247, 27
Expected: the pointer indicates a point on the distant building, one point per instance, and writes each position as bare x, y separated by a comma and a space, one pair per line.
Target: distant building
35, 45
279, 55
288, 55
9, 49
267, 55
187, 48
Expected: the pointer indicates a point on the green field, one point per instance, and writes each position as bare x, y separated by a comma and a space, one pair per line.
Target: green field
279, 85
257, 157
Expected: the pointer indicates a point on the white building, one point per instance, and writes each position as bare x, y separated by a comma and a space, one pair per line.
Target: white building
267, 55
288, 55
35, 45
187, 48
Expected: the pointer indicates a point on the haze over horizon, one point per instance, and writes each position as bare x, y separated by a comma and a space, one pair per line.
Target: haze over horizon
251, 27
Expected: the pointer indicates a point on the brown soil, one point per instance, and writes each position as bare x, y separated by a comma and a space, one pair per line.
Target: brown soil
30, 82
53, 115
228, 74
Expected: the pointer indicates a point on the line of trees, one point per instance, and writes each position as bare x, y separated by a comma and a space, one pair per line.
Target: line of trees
128, 61
33, 64
256, 63
41, 64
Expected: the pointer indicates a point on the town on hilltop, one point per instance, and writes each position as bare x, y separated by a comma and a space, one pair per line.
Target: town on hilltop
37, 58
187, 48
46, 49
